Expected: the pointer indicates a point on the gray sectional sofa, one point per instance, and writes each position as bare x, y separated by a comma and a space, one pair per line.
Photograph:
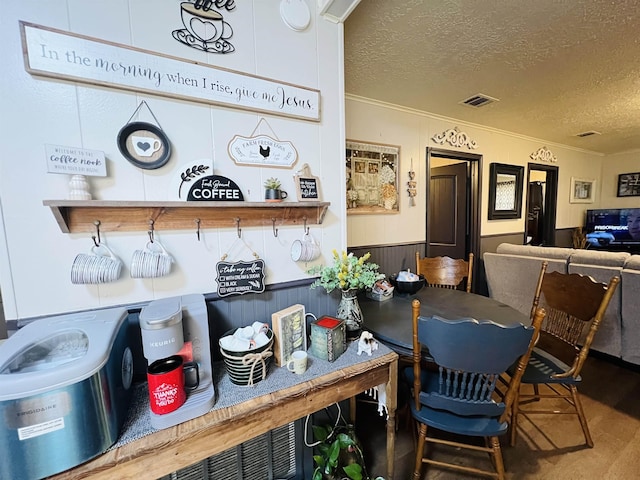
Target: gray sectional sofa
512, 272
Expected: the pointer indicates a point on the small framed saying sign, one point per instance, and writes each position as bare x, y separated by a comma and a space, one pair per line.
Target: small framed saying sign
307, 186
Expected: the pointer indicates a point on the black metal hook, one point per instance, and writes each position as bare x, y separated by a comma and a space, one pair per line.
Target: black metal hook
96, 237
305, 228
150, 232
197, 220
238, 227
275, 230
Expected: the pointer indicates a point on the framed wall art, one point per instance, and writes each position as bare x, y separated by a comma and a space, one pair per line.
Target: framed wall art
372, 178
290, 329
144, 144
629, 185
582, 190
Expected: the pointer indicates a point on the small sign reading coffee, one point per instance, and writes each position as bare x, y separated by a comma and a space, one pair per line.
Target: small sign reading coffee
215, 188
75, 161
239, 278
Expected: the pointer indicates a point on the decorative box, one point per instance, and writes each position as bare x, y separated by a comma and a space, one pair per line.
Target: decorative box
328, 338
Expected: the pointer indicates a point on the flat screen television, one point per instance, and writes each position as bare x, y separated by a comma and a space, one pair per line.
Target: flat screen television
613, 228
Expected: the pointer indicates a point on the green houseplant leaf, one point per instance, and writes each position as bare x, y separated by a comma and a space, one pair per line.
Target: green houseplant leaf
338, 455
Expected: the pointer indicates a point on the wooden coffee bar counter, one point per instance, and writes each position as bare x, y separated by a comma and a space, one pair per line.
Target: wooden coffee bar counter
168, 450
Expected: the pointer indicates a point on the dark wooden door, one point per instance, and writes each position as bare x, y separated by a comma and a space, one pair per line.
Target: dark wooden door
448, 200
544, 232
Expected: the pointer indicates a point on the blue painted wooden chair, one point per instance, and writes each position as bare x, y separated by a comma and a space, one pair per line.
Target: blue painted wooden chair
459, 396
575, 305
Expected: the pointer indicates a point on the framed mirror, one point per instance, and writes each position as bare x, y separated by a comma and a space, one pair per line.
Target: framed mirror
505, 191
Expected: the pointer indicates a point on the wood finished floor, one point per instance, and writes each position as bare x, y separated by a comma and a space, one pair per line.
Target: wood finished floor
553, 448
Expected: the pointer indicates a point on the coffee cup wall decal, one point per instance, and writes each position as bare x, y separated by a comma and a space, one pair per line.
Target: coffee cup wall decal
145, 146
204, 27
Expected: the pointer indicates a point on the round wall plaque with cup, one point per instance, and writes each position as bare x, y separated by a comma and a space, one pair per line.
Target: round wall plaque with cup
144, 144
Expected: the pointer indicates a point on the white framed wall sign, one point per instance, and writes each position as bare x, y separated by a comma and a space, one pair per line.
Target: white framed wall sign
75, 161
263, 151
54, 53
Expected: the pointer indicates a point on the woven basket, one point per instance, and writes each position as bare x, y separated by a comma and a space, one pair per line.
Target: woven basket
251, 366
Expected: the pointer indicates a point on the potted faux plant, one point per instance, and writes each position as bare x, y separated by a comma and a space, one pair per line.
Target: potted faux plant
337, 454
272, 192
579, 238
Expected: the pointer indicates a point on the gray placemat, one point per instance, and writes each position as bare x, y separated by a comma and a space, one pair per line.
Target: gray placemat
138, 422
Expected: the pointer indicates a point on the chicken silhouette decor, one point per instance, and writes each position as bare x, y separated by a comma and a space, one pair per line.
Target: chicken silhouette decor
265, 151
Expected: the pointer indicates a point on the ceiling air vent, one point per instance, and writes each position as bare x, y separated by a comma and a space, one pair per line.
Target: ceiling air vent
479, 100
588, 134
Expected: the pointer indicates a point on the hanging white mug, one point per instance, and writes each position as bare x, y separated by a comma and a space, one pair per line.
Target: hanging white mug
152, 262
100, 266
305, 250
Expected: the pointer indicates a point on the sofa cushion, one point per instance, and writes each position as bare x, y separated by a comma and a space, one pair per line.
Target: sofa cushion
630, 301
608, 339
605, 259
512, 279
534, 251
632, 263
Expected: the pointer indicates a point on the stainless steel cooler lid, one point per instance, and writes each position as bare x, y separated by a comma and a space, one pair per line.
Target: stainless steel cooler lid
57, 351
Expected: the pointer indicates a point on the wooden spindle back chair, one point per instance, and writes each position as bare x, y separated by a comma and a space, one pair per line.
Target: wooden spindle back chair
459, 396
575, 306
445, 272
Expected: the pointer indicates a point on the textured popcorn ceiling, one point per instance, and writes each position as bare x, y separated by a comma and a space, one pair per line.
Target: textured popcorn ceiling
558, 67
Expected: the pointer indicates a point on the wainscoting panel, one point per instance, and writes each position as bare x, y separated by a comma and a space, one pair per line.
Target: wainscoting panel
392, 258
238, 311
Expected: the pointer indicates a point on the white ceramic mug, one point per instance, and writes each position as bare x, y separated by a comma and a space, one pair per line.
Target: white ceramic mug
205, 25
152, 262
298, 362
305, 250
145, 146
100, 266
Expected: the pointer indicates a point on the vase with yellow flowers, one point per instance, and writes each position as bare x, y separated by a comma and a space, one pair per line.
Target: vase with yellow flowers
350, 274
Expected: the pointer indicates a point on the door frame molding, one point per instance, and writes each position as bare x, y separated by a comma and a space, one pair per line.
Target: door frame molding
474, 186
550, 199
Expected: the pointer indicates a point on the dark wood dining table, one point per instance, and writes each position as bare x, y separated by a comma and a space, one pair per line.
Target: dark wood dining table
390, 320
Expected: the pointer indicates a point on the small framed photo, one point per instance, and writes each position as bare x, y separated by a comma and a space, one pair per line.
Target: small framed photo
582, 190
629, 185
290, 329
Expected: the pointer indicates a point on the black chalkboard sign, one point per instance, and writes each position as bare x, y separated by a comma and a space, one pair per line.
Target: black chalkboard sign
308, 188
239, 278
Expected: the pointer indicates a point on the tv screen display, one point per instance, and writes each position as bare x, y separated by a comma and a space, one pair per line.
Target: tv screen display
614, 226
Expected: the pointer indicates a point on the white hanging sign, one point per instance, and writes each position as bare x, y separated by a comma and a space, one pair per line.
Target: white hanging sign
75, 161
63, 55
262, 150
